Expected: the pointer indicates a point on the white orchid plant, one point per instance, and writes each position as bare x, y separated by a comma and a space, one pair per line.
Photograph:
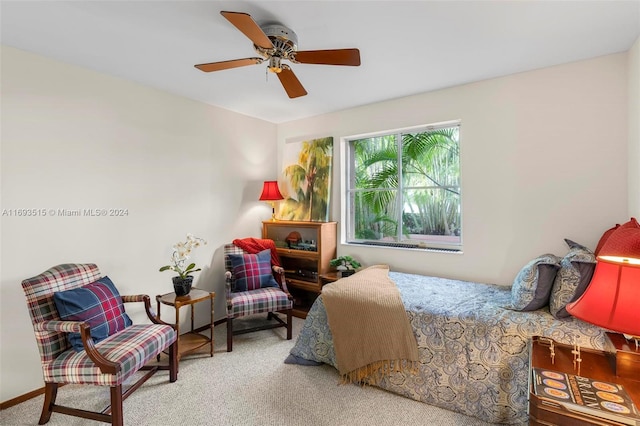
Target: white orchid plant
180, 255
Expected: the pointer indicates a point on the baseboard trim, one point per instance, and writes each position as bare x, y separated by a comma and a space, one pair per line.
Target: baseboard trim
22, 398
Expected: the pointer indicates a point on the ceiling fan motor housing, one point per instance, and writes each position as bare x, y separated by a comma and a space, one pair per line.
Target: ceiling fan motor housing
284, 40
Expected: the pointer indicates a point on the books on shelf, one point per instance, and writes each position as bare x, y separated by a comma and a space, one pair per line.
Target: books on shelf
584, 395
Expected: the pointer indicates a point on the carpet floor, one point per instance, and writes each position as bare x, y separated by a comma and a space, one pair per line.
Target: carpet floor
249, 386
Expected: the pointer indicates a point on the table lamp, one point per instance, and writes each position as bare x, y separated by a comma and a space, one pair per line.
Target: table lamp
612, 301
271, 193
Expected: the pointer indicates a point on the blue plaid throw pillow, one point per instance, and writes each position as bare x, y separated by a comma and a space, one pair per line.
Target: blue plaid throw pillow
252, 271
99, 304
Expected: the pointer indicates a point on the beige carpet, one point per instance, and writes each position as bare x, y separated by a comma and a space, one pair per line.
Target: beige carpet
249, 386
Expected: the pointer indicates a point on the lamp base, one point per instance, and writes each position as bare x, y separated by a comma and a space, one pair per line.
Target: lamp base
627, 356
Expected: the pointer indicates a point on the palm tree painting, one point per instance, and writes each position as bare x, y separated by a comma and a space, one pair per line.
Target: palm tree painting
305, 182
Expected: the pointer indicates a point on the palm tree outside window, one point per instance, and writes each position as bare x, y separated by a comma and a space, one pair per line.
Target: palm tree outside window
403, 188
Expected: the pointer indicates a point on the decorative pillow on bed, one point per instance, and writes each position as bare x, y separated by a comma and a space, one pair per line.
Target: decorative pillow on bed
532, 287
576, 271
99, 304
252, 271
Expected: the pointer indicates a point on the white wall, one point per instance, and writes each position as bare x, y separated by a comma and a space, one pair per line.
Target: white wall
543, 158
75, 139
634, 130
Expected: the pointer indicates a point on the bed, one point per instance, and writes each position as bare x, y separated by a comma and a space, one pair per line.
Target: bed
473, 353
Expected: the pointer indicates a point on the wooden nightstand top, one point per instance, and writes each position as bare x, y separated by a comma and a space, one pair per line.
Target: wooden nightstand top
597, 365
330, 277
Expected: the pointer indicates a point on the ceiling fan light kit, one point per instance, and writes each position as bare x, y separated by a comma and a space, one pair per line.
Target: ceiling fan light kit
275, 43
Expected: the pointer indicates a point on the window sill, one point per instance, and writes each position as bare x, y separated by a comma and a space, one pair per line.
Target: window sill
405, 246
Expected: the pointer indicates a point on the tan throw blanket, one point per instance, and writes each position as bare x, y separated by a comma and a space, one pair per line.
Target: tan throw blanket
371, 332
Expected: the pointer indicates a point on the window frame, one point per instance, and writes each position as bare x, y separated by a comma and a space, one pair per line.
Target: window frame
349, 191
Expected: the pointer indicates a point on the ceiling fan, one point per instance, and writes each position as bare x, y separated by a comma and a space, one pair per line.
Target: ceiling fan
275, 43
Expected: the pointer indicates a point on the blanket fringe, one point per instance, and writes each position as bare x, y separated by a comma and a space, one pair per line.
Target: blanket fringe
372, 374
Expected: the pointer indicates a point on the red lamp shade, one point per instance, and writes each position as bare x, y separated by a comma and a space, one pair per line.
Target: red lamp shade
270, 191
612, 299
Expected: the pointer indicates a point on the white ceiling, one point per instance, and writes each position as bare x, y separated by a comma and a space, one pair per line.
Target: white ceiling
406, 47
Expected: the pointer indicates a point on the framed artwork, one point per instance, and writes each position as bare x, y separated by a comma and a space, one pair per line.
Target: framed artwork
305, 181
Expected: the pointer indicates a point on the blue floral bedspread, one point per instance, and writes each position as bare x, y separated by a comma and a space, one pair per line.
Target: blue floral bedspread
473, 352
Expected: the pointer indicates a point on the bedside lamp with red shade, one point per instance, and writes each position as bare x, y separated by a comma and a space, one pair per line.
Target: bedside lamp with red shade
271, 193
612, 299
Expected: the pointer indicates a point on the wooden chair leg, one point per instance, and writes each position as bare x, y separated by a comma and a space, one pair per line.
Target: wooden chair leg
229, 334
50, 393
116, 406
173, 362
289, 325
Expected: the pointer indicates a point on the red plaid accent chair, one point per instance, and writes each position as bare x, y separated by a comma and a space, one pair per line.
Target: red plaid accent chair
244, 303
107, 363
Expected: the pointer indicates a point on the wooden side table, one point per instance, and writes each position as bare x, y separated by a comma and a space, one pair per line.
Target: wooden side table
329, 277
596, 365
192, 340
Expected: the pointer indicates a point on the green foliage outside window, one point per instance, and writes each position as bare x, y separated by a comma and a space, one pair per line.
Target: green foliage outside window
406, 186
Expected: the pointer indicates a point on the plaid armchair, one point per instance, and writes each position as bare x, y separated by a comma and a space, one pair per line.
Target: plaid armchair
249, 302
110, 362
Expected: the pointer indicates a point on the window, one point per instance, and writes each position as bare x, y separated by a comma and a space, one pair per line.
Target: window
403, 188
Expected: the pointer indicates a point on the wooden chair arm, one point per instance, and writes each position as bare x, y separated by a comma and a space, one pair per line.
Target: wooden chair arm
153, 317
283, 281
105, 366
133, 298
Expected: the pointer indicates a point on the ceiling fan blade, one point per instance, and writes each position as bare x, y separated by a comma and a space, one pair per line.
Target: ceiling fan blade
291, 84
225, 65
245, 23
349, 57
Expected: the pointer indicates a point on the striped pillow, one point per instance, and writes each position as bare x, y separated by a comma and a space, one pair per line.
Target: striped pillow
252, 271
99, 304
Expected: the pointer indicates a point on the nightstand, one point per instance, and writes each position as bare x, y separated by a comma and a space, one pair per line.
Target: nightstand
192, 340
596, 365
329, 277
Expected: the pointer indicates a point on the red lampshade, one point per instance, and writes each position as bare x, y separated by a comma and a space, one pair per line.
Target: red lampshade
612, 299
270, 191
